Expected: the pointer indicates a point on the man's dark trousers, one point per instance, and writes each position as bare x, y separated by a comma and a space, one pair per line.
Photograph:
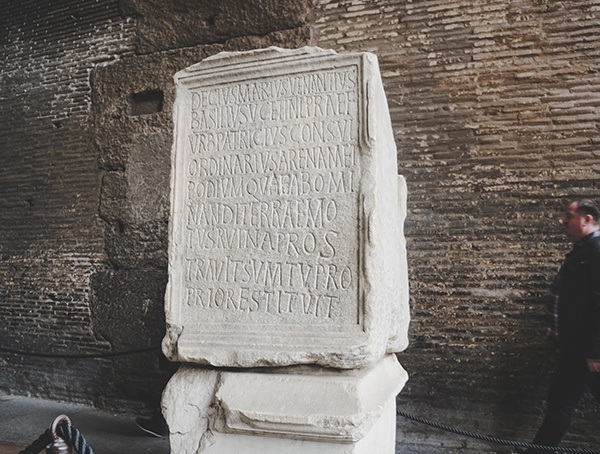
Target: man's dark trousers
571, 380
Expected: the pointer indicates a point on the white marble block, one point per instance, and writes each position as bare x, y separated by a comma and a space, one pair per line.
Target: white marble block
291, 411
286, 241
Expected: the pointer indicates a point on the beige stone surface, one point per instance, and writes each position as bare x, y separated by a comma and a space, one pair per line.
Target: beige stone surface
286, 242
379, 440
293, 410
187, 405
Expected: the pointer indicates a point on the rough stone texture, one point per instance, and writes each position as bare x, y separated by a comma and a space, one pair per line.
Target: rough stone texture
291, 410
286, 241
188, 407
187, 23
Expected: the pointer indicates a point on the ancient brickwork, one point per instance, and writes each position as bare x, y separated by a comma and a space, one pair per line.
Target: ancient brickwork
495, 111
87, 94
51, 238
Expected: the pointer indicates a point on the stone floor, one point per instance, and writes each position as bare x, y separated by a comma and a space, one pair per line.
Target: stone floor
10, 448
24, 419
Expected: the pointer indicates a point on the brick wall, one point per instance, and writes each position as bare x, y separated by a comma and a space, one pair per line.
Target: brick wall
495, 111
51, 238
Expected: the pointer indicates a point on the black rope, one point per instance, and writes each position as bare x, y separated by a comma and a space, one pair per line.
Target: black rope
67, 432
71, 435
491, 439
78, 356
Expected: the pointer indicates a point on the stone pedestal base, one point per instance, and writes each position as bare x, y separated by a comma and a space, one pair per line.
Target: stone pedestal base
292, 410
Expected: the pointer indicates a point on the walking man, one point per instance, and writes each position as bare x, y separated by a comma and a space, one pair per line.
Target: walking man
578, 316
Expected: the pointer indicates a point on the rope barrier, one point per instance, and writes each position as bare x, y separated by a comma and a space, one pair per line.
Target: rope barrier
70, 434
491, 439
66, 433
78, 356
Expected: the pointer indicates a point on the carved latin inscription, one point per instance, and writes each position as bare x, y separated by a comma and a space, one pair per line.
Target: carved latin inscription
270, 212
285, 240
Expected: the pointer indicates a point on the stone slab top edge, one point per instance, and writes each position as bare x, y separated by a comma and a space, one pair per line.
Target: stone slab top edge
261, 57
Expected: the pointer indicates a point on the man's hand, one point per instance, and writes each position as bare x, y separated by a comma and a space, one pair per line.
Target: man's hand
594, 365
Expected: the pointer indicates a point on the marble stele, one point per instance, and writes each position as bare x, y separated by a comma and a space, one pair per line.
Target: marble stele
287, 257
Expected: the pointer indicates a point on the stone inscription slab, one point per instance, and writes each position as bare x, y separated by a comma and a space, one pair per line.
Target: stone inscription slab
266, 230
270, 206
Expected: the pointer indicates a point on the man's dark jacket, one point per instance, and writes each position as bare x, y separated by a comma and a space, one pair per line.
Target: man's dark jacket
579, 299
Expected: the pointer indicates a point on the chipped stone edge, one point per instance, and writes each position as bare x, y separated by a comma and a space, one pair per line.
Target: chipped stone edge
369, 393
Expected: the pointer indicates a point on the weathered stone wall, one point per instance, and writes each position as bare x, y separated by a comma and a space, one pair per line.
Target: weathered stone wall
87, 94
495, 109
51, 237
